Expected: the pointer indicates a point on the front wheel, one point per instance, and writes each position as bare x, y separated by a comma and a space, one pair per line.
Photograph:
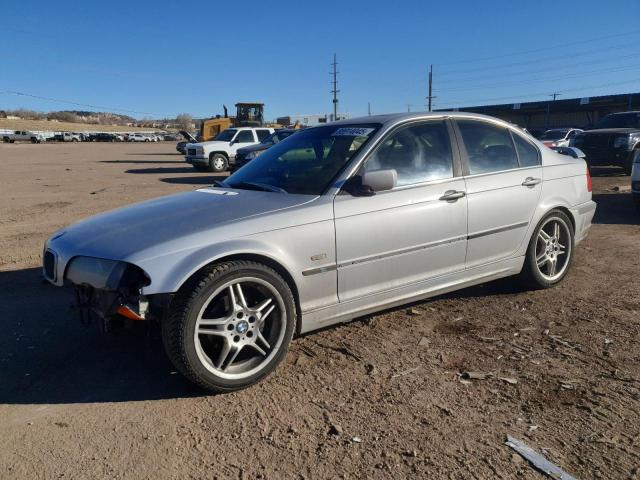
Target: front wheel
550, 251
218, 163
230, 325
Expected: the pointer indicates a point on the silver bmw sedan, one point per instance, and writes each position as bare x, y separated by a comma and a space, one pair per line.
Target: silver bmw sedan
332, 223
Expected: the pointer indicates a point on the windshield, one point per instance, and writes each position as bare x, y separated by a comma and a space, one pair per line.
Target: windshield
554, 135
304, 163
620, 120
275, 138
225, 135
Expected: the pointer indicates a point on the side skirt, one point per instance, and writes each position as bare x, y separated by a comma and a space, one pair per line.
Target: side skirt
346, 311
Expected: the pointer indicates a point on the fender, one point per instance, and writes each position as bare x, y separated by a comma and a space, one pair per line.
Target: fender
182, 266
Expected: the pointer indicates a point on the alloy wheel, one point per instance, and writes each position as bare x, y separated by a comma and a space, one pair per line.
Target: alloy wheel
553, 248
240, 328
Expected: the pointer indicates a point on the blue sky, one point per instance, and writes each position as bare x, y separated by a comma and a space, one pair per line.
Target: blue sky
162, 58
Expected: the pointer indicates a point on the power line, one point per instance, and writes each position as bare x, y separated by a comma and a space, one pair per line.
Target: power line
540, 94
541, 49
78, 104
542, 79
564, 65
545, 59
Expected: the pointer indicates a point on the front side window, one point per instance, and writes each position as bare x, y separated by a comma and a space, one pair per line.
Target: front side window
244, 136
489, 147
527, 153
262, 134
225, 135
418, 153
554, 135
306, 163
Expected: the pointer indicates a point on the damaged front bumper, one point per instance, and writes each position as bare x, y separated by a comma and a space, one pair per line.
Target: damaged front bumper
104, 289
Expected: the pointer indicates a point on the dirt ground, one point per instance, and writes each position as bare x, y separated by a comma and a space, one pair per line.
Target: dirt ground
376, 398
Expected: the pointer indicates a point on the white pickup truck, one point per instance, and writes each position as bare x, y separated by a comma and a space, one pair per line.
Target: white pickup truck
216, 154
23, 136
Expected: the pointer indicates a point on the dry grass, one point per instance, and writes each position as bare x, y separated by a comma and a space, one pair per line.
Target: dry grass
47, 125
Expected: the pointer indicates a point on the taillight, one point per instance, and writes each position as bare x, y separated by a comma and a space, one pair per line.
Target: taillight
588, 180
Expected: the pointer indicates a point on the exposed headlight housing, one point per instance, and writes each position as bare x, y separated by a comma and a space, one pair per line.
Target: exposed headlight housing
621, 141
103, 274
252, 155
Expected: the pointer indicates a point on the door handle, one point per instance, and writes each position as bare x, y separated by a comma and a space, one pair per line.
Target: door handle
531, 182
452, 195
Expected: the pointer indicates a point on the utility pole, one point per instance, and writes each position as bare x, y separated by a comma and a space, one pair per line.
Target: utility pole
430, 97
335, 88
369, 108
554, 95
408, 107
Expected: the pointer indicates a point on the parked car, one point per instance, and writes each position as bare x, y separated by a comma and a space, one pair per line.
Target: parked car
23, 136
615, 140
217, 154
635, 182
559, 137
67, 137
245, 154
138, 137
106, 137
181, 146
336, 222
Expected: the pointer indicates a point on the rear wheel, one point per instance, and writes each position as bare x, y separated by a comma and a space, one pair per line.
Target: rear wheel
218, 163
550, 251
5, 139
230, 326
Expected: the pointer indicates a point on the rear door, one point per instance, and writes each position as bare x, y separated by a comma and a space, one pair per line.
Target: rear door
503, 177
400, 237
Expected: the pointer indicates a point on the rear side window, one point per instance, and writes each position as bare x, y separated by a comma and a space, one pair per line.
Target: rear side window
262, 134
489, 147
527, 153
245, 136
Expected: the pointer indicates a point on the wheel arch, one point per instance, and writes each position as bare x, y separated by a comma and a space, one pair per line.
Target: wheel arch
172, 281
221, 152
279, 269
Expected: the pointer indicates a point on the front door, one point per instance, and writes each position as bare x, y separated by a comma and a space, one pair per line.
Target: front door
242, 139
504, 181
414, 232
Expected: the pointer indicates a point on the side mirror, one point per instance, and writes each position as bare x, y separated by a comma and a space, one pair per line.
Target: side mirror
380, 180
571, 151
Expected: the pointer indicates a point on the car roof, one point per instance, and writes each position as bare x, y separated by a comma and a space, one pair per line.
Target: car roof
393, 118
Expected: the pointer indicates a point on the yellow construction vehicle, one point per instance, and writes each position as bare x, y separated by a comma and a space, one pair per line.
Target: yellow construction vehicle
248, 114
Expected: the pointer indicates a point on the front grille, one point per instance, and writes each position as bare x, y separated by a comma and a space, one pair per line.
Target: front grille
597, 142
49, 265
191, 152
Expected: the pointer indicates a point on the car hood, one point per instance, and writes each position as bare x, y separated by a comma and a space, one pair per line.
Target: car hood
211, 144
188, 136
599, 131
139, 229
258, 147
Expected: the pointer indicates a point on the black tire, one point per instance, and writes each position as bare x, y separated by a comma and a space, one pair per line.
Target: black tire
179, 326
531, 276
218, 163
633, 157
5, 139
34, 140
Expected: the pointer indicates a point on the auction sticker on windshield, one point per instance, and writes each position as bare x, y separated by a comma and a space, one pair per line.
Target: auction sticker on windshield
352, 132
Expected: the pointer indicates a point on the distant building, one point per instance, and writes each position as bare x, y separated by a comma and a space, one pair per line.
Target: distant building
569, 112
311, 120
